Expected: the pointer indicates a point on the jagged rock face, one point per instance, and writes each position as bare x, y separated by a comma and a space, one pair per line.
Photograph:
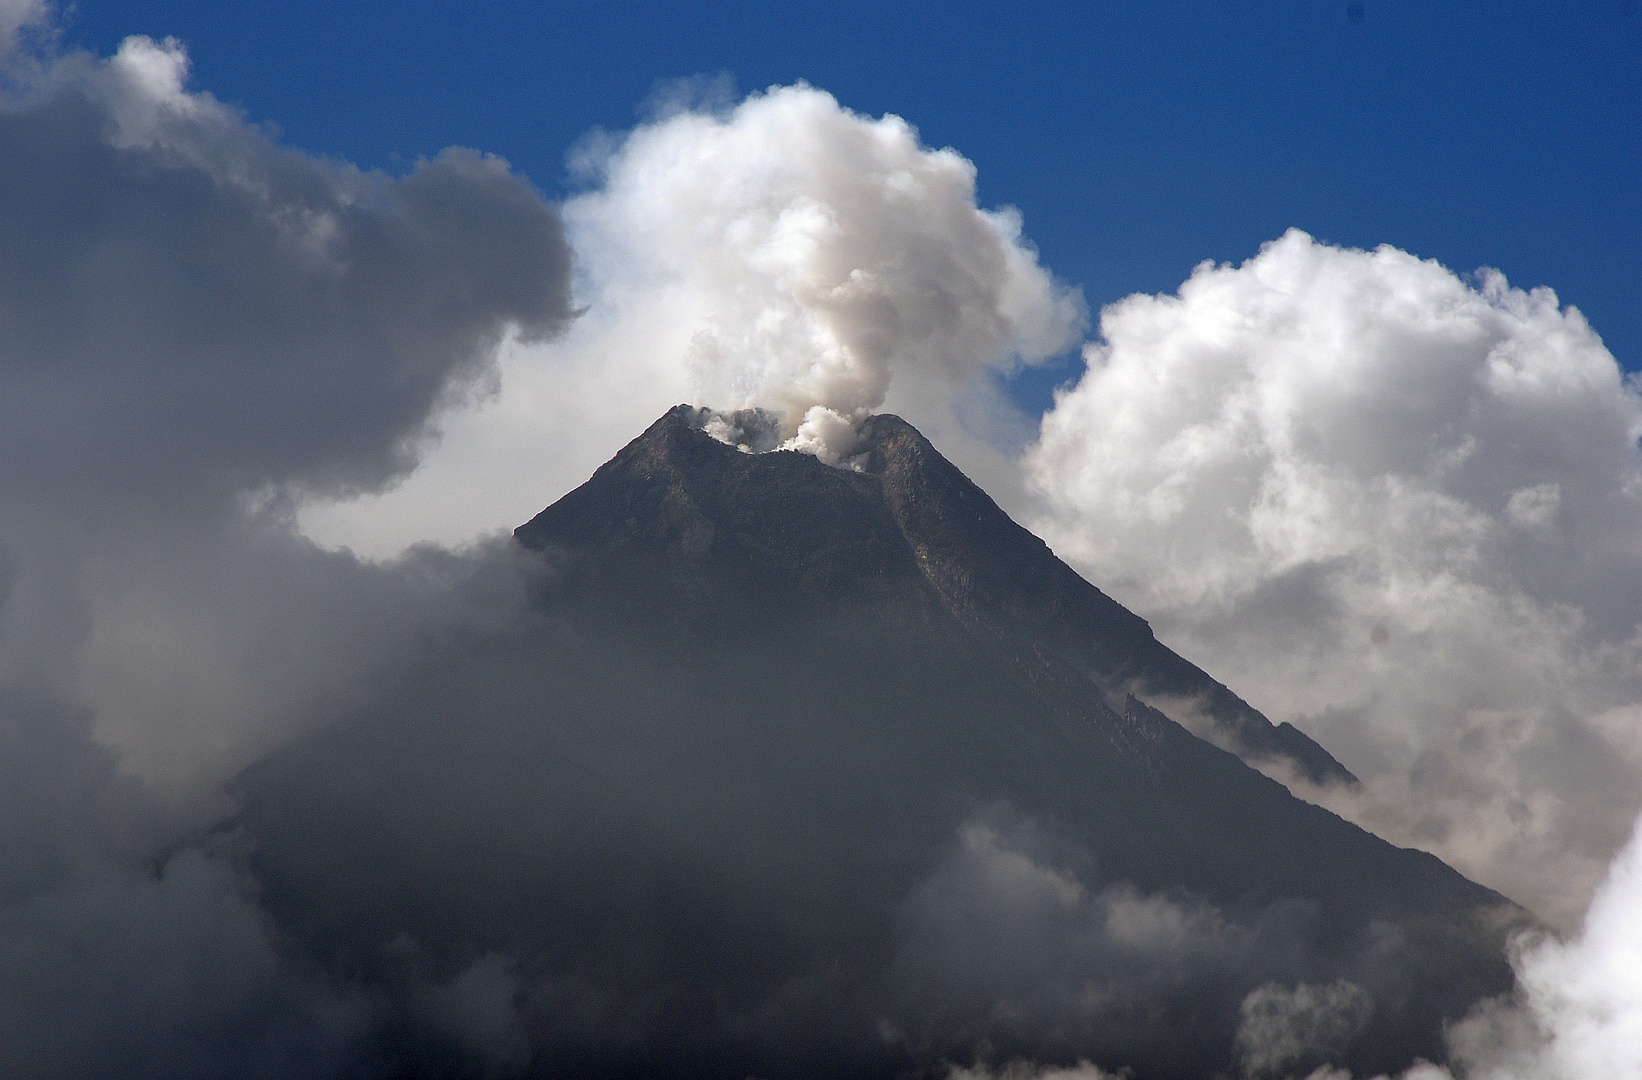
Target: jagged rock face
754, 789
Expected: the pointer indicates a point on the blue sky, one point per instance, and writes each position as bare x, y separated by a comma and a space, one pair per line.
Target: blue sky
1137, 139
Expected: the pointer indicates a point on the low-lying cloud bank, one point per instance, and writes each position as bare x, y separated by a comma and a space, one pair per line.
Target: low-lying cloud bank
1395, 506
1577, 1012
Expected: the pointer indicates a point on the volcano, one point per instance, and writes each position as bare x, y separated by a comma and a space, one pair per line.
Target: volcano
799, 770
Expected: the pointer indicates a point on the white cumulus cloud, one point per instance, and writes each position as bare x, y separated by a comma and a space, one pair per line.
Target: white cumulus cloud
1583, 997
787, 254
1399, 508
1577, 1012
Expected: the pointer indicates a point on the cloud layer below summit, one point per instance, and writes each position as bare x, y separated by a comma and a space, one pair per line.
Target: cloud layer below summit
1396, 506
1310, 471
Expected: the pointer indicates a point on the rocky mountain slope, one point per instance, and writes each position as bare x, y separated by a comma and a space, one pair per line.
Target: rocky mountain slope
795, 770
672, 491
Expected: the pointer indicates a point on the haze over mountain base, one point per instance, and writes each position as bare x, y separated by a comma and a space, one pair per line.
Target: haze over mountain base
798, 770
1394, 505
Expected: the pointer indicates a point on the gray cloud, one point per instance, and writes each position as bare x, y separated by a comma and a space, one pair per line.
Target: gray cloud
186, 305
168, 974
1576, 1012
1282, 1027
633, 858
1018, 957
200, 328
196, 325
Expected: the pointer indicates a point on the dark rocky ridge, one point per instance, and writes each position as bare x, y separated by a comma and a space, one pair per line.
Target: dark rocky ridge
678, 489
709, 798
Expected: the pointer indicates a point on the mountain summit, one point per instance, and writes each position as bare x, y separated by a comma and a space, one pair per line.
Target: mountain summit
910, 518
796, 770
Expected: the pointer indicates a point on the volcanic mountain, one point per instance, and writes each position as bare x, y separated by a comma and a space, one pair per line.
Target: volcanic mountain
910, 529
798, 770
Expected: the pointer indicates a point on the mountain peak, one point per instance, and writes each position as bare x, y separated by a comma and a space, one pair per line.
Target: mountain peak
782, 528
781, 748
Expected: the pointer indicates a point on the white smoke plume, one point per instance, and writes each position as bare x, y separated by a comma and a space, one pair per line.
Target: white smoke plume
785, 254
1400, 509
820, 253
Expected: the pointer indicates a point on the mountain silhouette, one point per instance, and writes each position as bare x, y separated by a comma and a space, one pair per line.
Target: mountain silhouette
673, 495
798, 770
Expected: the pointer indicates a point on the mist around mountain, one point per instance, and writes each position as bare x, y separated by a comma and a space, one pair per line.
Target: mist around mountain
792, 769
538, 817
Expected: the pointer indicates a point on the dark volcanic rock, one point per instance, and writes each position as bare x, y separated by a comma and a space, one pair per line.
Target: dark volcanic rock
794, 528
802, 771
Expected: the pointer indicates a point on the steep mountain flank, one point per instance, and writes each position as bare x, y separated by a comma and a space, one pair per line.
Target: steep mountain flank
999, 580
795, 770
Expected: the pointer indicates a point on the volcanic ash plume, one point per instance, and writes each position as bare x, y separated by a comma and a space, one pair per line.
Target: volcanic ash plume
817, 255
785, 254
